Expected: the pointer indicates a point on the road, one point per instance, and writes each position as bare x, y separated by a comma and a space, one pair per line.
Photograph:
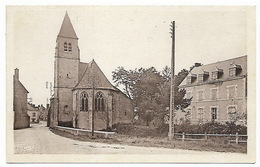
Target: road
40, 140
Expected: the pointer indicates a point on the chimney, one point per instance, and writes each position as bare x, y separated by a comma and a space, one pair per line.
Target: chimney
16, 73
197, 64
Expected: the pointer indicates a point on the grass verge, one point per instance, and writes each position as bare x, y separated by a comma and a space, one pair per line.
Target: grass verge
215, 145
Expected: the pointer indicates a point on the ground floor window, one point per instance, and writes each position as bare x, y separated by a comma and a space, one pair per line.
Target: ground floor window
200, 114
214, 114
232, 113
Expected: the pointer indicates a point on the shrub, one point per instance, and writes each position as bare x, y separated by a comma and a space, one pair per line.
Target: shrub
65, 124
211, 128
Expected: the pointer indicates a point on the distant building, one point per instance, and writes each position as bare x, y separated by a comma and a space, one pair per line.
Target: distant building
43, 112
33, 112
80, 88
21, 119
218, 91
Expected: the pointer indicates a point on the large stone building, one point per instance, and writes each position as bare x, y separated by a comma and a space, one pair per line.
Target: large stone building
218, 91
81, 87
21, 119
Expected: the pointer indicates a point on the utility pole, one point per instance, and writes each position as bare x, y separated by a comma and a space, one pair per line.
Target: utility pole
171, 121
93, 108
93, 103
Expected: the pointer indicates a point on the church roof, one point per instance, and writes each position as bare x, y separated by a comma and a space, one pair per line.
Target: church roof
92, 75
67, 29
82, 69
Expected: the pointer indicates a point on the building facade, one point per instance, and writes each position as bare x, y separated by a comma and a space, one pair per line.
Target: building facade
21, 119
43, 112
80, 88
218, 91
33, 112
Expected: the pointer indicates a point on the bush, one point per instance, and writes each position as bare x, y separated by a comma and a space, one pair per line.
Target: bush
66, 124
211, 128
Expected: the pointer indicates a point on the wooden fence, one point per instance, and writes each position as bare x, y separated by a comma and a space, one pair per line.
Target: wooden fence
232, 138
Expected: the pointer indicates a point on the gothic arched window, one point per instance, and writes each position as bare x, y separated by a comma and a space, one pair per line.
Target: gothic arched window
99, 102
65, 47
83, 101
70, 47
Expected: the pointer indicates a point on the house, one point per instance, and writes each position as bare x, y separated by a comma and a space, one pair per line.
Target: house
80, 88
43, 112
33, 112
21, 119
218, 91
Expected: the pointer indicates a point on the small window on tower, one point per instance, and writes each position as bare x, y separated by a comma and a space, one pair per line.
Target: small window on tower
70, 47
65, 47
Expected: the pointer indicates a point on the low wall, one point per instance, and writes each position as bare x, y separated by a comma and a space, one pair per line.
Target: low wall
84, 132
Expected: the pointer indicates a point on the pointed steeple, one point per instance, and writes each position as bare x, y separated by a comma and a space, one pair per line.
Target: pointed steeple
67, 29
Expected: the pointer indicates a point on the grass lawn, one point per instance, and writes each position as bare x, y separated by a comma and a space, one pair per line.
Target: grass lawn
216, 144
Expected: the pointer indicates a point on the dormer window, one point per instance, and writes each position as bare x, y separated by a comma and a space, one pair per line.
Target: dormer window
234, 70
191, 78
65, 47
217, 74
70, 47
204, 76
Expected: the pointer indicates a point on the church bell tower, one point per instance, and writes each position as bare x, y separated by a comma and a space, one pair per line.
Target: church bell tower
66, 68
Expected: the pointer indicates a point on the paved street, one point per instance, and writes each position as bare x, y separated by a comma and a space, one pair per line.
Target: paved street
40, 140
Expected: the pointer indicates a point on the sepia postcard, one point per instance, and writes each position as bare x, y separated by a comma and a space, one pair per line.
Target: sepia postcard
131, 84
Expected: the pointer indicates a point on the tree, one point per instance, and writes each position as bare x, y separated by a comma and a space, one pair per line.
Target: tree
127, 79
179, 100
150, 89
147, 116
146, 91
166, 74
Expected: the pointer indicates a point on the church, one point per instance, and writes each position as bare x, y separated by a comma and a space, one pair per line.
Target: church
82, 93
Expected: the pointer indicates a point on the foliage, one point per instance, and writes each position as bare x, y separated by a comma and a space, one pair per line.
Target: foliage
211, 128
127, 79
65, 124
150, 89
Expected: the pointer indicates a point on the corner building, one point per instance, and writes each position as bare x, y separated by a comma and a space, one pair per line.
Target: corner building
21, 118
81, 87
218, 91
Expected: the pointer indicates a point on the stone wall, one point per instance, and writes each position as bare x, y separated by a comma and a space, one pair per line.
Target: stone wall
82, 132
118, 109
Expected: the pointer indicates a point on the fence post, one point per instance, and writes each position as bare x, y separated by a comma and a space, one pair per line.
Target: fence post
236, 137
206, 137
183, 136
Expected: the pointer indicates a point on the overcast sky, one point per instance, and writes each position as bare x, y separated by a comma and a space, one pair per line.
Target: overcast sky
131, 37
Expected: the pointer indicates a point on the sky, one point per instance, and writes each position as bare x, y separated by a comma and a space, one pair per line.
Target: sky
129, 36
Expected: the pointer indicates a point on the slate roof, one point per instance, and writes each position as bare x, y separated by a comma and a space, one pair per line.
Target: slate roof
90, 74
67, 29
220, 65
21, 85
